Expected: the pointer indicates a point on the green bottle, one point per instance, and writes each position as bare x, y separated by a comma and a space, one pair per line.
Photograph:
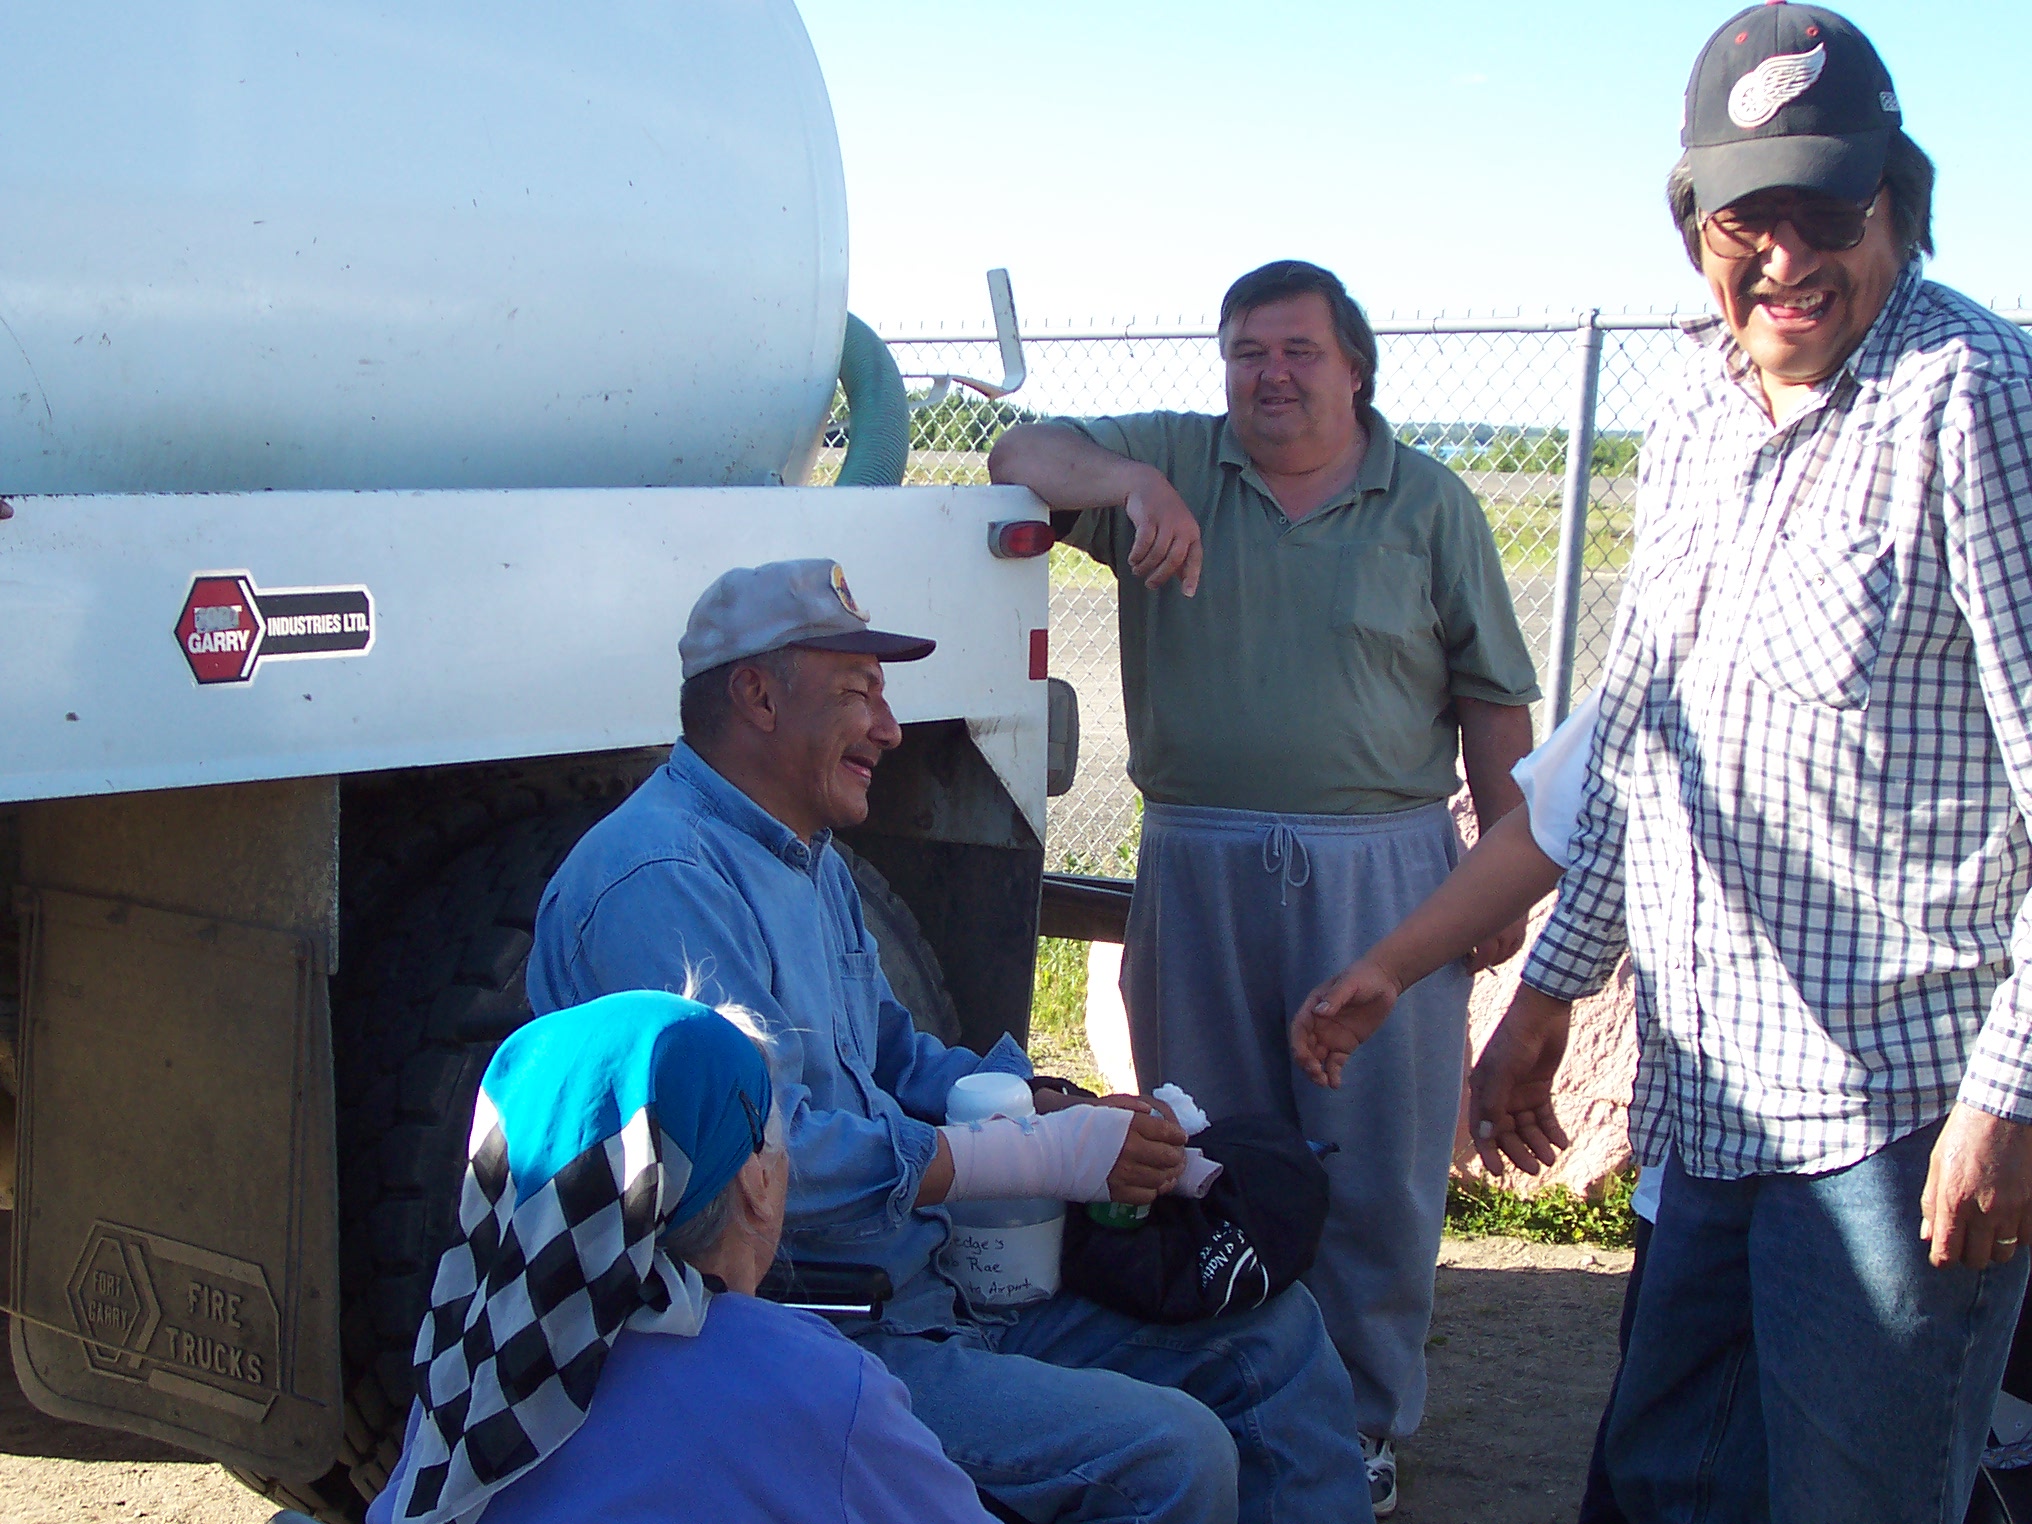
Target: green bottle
1123, 1215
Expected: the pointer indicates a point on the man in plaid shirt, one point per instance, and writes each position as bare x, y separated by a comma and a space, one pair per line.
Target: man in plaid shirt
1806, 820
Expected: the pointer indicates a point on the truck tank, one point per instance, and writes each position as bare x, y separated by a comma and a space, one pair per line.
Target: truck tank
260, 245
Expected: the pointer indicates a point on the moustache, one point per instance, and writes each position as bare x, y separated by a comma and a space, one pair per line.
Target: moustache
1834, 280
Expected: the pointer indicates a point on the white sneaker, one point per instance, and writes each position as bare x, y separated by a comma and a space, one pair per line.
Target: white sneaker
1382, 1458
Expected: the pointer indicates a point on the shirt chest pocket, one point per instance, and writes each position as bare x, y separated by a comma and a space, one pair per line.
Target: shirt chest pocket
1820, 616
1382, 593
855, 1033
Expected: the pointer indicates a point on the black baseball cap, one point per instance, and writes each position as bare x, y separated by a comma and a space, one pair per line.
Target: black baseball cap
1787, 95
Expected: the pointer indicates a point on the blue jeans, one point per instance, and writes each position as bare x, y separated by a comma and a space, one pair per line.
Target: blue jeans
1077, 1412
1795, 1358
1597, 1501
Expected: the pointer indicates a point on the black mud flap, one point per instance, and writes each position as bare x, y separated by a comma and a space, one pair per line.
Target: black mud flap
176, 1251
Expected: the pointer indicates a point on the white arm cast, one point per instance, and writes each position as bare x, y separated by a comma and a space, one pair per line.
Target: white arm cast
1065, 1155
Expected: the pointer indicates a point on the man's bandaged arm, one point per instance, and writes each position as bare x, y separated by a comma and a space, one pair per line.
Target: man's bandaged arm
1065, 1155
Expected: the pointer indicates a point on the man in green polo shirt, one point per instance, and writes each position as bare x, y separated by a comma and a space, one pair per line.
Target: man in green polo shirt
1314, 626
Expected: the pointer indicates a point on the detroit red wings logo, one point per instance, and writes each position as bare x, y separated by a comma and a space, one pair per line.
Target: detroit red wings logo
1774, 83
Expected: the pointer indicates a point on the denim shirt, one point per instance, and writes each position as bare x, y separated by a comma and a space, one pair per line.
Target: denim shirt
691, 881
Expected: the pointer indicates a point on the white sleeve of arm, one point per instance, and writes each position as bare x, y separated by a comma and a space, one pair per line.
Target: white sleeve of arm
1554, 778
1065, 1155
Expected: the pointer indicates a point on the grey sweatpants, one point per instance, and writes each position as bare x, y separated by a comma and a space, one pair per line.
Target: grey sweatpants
1236, 916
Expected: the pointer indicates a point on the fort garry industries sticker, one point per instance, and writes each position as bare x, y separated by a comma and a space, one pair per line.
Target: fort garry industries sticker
229, 626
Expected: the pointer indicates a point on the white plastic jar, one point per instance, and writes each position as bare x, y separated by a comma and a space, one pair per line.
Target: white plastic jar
1001, 1253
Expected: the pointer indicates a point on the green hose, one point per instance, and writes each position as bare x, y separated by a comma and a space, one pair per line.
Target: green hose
878, 411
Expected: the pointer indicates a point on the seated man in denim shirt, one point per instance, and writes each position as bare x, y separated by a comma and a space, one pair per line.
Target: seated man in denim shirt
716, 876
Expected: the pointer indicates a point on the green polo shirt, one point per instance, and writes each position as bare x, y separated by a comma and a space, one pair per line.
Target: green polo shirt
1315, 671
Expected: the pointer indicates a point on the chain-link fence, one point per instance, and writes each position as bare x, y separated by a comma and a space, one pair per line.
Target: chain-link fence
1497, 399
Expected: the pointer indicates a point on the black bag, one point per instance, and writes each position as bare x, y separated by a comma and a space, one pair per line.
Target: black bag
1254, 1233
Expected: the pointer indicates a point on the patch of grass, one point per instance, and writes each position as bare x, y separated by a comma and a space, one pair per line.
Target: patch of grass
1554, 1216
1527, 533
1075, 568
1058, 1014
1118, 861
947, 471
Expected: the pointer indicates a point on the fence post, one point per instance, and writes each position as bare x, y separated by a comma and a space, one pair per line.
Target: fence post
1573, 517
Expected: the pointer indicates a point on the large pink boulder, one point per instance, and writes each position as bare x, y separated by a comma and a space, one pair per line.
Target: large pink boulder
1592, 1093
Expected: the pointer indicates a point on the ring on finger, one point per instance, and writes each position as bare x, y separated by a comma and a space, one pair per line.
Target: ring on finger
2004, 1243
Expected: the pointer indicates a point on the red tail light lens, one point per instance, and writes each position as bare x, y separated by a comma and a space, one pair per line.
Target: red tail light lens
1020, 539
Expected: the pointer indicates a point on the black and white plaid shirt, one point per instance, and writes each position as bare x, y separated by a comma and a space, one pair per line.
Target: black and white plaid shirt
1806, 809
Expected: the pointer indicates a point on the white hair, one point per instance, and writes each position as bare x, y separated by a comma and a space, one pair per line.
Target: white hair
750, 1027
699, 1234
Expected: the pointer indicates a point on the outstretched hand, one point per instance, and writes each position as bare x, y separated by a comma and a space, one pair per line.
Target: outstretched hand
1338, 1018
1510, 1091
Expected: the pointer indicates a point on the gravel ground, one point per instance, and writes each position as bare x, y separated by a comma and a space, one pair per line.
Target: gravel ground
1522, 1352
1523, 1347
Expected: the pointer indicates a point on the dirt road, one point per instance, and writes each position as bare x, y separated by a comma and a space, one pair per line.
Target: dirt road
1523, 1346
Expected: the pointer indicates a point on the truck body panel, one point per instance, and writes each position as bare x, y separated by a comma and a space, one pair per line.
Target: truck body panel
499, 625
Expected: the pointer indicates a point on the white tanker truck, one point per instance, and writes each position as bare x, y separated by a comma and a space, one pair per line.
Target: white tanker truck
379, 386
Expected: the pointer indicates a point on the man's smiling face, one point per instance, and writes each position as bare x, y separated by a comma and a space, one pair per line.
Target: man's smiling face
1291, 391
1797, 311
833, 726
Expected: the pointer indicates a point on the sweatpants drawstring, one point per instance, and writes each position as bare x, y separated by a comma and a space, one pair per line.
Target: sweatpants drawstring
1284, 854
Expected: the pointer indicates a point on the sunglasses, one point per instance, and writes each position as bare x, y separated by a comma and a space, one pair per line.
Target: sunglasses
1824, 223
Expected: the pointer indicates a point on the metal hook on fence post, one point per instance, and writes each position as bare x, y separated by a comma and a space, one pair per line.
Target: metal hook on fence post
1008, 338
1573, 515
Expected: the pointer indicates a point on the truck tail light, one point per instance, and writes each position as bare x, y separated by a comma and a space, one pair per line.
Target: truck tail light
1040, 655
1020, 539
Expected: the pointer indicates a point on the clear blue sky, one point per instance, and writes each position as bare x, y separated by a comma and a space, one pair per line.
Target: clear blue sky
1127, 159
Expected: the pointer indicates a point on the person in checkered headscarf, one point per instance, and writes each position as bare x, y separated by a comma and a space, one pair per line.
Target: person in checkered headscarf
594, 1348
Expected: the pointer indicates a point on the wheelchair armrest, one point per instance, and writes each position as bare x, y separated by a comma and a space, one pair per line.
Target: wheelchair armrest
856, 1291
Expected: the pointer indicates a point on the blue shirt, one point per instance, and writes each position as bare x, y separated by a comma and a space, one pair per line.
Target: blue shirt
767, 1415
691, 881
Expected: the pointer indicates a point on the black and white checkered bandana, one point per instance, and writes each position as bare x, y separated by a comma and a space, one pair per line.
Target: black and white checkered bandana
526, 1306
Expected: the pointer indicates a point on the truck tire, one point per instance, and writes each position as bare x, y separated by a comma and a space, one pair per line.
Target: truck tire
907, 959
431, 983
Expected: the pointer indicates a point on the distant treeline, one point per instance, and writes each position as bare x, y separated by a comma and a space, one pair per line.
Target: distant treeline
968, 423
1492, 447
